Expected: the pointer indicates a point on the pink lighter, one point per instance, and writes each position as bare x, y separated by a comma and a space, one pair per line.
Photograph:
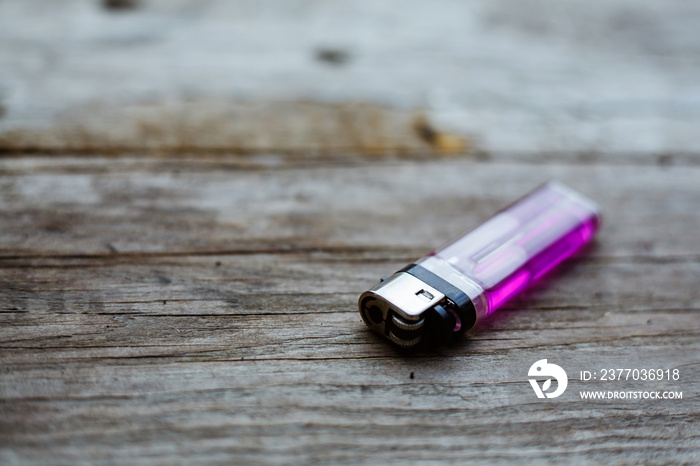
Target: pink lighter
446, 292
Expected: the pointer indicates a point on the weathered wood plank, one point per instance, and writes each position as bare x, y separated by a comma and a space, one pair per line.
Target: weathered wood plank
282, 283
302, 410
193, 195
229, 348
529, 76
414, 207
232, 313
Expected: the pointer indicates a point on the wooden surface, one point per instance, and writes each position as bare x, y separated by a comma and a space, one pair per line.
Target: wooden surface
193, 196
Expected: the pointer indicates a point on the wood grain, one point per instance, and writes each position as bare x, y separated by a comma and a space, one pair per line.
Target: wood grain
595, 76
222, 323
194, 194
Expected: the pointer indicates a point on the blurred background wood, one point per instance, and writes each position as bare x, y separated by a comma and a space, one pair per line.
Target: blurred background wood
194, 194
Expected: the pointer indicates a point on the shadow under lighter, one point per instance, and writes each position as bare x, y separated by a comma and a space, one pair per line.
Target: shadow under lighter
446, 292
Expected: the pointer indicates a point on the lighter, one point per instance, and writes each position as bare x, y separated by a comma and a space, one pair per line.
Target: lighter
446, 292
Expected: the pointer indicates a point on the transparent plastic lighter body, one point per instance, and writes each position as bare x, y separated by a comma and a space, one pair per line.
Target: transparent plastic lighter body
449, 290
